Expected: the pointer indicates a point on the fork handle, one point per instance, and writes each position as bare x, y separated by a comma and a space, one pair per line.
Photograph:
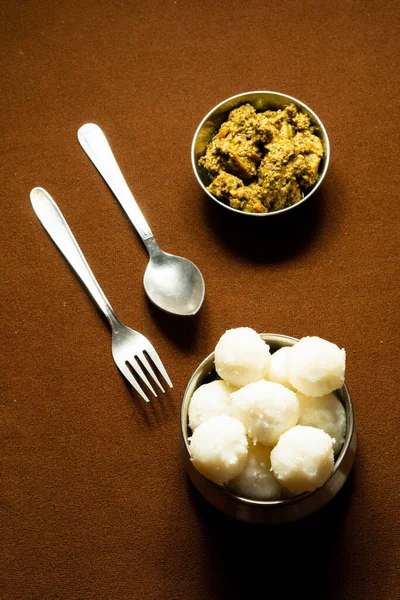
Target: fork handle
56, 226
96, 146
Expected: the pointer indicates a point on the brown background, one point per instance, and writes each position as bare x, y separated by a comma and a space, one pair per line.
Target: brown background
94, 501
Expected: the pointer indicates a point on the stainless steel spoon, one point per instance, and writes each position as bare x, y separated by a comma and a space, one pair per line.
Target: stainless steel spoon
171, 282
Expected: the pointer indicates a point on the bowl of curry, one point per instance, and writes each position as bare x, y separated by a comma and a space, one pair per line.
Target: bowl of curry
260, 153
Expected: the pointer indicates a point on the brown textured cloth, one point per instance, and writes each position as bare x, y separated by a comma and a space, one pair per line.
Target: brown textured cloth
93, 498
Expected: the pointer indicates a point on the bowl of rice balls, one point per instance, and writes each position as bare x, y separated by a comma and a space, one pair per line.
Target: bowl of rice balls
260, 153
268, 427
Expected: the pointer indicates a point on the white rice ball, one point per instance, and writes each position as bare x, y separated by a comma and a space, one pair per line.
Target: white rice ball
257, 481
302, 460
316, 367
326, 413
277, 368
241, 356
209, 400
218, 448
266, 409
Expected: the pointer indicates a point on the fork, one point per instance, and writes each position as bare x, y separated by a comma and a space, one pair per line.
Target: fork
128, 347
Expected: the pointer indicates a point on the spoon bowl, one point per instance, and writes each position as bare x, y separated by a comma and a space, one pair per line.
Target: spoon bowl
174, 284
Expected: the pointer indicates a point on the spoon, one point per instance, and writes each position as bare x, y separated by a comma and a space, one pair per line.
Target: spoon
172, 283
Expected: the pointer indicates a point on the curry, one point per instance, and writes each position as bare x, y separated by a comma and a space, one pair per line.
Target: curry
263, 161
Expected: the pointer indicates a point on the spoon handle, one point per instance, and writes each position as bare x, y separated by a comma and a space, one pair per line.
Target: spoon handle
95, 144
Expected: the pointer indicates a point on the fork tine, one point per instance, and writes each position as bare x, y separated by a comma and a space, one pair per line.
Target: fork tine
157, 361
138, 369
146, 363
126, 373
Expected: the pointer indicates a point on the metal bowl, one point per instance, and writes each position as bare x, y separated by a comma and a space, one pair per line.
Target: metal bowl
261, 101
267, 512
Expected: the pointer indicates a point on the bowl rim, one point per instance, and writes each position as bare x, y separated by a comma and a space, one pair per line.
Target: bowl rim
243, 95
265, 503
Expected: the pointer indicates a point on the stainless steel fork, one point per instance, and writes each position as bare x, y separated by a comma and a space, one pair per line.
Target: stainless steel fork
128, 346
